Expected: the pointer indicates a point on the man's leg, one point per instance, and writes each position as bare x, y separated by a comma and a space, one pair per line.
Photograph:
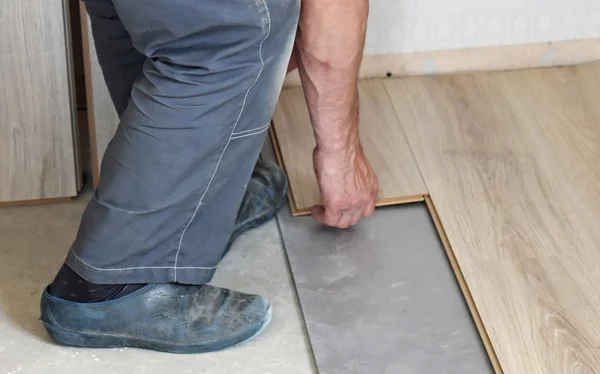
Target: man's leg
174, 174
203, 76
122, 64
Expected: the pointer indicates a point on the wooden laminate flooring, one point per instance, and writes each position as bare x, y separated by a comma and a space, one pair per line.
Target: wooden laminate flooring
512, 163
382, 137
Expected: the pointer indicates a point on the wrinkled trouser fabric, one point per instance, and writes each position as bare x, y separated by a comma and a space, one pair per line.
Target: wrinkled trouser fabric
195, 83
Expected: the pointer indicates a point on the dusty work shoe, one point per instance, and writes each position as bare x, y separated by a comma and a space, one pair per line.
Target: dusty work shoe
265, 195
163, 317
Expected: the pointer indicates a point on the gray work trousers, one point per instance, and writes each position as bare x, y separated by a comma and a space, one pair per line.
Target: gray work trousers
195, 83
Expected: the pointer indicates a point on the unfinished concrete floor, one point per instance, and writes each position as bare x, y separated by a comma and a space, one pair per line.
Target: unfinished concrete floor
33, 243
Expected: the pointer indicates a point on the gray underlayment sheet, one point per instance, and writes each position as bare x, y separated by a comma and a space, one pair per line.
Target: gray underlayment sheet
382, 297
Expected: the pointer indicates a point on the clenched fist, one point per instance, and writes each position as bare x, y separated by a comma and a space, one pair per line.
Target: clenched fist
348, 187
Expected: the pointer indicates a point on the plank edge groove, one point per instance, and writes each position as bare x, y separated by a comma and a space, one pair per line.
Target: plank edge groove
464, 287
408, 143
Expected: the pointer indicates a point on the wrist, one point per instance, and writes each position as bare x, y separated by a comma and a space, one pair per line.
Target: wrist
338, 143
348, 149
338, 136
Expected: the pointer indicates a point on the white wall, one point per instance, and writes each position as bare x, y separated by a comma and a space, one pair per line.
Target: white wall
420, 25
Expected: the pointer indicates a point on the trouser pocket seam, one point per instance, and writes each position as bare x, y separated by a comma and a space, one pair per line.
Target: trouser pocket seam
255, 131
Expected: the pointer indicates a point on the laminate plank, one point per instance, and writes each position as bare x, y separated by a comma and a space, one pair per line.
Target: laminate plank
511, 161
383, 141
37, 152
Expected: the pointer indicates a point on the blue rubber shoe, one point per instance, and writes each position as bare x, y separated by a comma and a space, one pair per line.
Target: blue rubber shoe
162, 317
264, 198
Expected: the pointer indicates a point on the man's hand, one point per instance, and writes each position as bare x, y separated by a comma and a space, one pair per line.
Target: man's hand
348, 187
347, 182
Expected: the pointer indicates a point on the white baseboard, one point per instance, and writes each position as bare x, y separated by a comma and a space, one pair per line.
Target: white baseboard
506, 57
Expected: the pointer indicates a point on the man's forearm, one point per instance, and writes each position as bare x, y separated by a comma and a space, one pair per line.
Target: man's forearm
330, 45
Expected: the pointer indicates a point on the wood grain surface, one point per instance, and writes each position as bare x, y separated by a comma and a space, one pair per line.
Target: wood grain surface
512, 163
37, 152
383, 140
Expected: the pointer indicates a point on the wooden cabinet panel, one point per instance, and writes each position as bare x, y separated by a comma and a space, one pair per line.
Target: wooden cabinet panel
37, 157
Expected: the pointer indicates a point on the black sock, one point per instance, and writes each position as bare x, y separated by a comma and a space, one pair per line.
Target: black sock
68, 285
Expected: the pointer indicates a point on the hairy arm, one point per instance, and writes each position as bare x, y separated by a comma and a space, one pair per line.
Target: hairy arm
329, 46
329, 49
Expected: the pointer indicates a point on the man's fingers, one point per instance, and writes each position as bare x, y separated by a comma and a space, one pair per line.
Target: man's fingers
370, 210
346, 220
357, 217
342, 219
325, 216
331, 218
318, 213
